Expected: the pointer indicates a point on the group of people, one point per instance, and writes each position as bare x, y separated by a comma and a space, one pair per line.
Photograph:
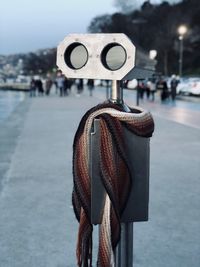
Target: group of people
37, 87
152, 85
147, 87
168, 90
62, 85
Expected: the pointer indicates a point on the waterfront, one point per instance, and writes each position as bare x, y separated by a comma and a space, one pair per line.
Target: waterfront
8, 102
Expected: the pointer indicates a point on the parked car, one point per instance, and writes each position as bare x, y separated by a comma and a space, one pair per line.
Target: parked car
190, 86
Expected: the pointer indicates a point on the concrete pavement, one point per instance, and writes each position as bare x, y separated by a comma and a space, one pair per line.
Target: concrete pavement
37, 224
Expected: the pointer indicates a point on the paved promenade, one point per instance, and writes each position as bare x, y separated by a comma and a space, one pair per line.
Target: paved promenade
37, 224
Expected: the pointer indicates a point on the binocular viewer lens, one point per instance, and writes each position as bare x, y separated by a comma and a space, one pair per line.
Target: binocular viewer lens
76, 56
113, 56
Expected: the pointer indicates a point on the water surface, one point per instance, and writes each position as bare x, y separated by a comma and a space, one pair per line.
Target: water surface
8, 102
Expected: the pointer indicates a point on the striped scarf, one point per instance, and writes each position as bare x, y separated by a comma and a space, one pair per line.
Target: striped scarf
114, 172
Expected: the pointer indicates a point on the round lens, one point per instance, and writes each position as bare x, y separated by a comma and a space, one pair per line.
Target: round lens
113, 56
76, 56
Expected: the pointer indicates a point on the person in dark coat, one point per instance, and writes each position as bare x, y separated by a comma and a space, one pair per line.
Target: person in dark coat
39, 86
67, 86
80, 86
32, 88
48, 85
162, 86
173, 84
90, 85
60, 82
141, 89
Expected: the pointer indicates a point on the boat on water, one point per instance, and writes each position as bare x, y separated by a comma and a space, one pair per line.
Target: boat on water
14, 86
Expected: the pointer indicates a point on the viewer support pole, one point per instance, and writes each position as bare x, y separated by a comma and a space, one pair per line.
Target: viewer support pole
137, 94
124, 250
117, 95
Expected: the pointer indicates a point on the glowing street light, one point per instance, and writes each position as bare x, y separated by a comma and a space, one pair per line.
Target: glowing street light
182, 30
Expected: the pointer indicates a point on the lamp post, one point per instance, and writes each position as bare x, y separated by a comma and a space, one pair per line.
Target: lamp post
182, 30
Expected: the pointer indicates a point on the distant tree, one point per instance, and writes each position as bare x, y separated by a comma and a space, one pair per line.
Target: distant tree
100, 24
147, 6
40, 62
155, 27
120, 23
127, 6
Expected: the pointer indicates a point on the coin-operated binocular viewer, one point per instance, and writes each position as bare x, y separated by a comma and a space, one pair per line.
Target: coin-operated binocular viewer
111, 148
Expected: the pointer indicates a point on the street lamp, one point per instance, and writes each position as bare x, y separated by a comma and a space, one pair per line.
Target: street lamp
182, 30
152, 54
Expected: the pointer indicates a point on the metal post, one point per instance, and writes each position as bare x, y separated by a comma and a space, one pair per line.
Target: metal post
117, 95
137, 94
181, 56
126, 245
124, 250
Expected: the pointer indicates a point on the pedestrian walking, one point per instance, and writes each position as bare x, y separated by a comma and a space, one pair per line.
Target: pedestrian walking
39, 86
56, 85
66, 86
173, 84
32, 88
147, 88
90, 85
70, 83
80, 86
48, 84
152, 88
162, 86
141, 89
60, 83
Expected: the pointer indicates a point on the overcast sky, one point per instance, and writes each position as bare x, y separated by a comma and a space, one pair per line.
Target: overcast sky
27, 25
